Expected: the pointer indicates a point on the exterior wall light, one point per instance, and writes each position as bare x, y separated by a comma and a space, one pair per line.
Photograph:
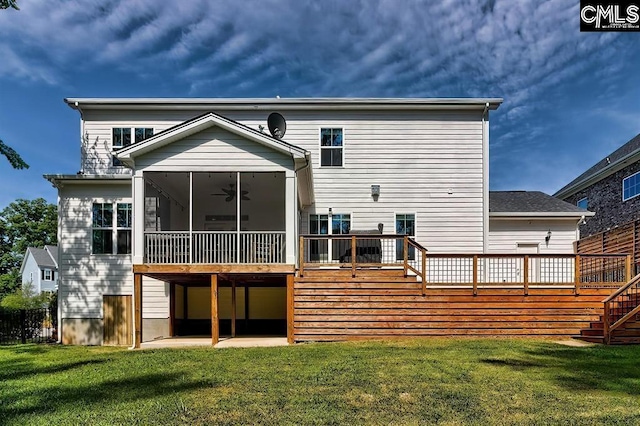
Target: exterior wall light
375, 192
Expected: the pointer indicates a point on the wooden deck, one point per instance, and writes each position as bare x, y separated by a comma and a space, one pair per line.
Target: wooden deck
332, 305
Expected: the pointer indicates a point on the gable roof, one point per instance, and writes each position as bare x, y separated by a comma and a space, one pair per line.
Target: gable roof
202, 122
531, 203
42, 257
621, 157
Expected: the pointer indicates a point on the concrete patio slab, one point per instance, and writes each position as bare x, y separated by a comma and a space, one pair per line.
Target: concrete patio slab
225, 342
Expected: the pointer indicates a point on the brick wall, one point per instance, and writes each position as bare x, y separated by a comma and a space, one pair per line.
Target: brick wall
605, 199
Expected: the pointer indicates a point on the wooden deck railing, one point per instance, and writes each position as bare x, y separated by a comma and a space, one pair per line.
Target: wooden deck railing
208, 247
464, 270
621, 306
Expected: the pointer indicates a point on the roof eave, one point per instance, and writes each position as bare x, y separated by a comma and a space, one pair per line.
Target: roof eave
284, 103
59, 180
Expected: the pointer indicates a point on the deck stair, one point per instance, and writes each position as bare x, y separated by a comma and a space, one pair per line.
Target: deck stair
620, 322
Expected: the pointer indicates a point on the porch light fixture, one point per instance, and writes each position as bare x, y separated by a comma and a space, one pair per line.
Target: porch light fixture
330, 211
548, 237
375, 192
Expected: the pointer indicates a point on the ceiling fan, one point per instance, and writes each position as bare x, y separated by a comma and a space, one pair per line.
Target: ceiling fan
231, 193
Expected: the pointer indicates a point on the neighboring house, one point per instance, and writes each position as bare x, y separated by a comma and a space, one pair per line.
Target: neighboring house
187, 217
610, 188
40, 268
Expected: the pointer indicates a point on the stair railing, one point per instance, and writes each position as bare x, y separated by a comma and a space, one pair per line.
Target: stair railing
620, 306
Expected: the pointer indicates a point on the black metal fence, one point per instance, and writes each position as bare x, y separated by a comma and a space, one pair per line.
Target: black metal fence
28, 326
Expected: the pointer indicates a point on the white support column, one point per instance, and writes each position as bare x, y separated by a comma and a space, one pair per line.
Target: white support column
291, 213
190, 217
137, 192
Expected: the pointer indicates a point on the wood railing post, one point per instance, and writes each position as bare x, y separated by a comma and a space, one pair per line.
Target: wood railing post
406, 255
301, 256
628, 272
353, 256
606, 323
576, 275
475, 274
424, 272
526, 275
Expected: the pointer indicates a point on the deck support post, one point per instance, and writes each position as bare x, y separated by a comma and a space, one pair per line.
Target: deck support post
233, 308
215, 326
137, 302
290, 308
628, 265
172, 309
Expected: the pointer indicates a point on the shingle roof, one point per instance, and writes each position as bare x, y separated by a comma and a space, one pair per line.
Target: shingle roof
42, 258
53, 251
529, 202
625, 150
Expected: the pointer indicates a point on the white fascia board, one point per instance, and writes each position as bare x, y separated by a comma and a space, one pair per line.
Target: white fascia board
58, 181
598, 176
284, 103
539, 215
129, 153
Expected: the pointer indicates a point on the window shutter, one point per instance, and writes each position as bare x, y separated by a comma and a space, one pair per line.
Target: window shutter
42, 273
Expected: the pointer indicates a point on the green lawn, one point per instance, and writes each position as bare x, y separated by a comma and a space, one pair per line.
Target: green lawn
439, 381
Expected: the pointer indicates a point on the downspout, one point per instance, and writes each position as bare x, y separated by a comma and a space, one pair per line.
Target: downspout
485, 180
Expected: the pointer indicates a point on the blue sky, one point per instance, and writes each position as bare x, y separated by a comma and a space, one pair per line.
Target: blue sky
570, 97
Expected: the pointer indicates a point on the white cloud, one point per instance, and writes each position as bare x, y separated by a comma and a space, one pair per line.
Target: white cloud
529, 52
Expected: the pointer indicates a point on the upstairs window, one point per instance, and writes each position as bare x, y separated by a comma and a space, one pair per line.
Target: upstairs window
583, 203
331, 148
143, 133
121, 137
631, 186
47, 275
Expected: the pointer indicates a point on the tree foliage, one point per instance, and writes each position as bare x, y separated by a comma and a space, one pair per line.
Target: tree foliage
14, 158
24, 223
6, 4
25, 297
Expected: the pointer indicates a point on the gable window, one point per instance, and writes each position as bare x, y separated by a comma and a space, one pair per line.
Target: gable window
331, 147
47, 275
102, 235
631, 186
405, 225
123, 216
583, 203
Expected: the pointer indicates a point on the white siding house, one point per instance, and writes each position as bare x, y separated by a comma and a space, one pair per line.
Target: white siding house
201, 182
